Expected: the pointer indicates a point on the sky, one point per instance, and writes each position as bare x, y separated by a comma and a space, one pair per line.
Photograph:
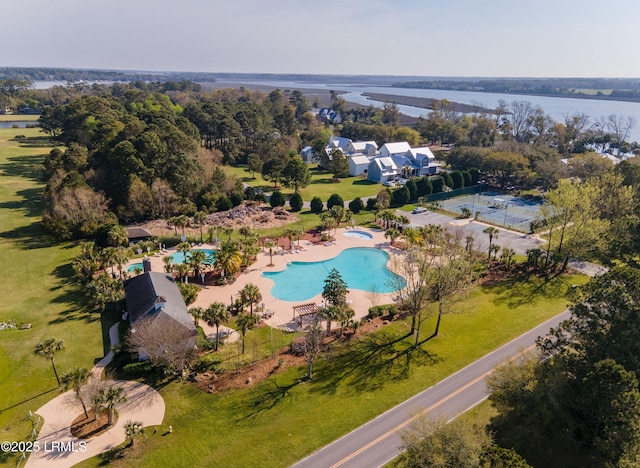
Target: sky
484, 38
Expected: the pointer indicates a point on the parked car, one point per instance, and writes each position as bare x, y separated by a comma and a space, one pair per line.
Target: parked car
419, 209
389, 183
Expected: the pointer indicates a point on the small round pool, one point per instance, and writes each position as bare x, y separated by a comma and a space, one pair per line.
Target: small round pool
135, 266
358, 235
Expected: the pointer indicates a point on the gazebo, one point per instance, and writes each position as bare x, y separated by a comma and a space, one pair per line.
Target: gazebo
305, 310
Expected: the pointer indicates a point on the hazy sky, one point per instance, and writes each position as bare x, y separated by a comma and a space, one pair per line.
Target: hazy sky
586, 38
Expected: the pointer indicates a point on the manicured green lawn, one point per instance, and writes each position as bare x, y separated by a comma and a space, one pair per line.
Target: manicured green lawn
279, 421
321, 185
36, 288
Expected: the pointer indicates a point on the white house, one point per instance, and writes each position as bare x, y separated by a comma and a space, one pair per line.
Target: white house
368, 148
358, 165
382, 169
399, 148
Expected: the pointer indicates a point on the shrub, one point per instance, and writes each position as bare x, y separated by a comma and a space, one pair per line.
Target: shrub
295, 202
277, 199
466, 177
136, 369
400, 196
424, 186
316, 205
438, 184
413, 189
356, 205
236, 198
223, 204
458, 180
335, 200
249, 193
448, 181
371, 204
261, 197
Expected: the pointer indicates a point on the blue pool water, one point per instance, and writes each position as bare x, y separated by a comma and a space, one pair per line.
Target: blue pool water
178, 257
358, 235
360, 267
133, 267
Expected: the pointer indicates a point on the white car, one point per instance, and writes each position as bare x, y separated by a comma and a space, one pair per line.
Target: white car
419, 209
389, 183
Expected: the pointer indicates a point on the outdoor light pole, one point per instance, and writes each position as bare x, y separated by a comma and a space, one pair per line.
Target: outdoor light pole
506, 207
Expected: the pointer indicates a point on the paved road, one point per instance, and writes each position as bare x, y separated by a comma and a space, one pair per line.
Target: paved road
378, 441
519, 242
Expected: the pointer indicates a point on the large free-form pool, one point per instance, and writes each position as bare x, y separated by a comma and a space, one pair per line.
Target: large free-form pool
361, 268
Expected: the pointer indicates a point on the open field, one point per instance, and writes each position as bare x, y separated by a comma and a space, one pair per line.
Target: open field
36, 289
19, 118
280, 420
321, 185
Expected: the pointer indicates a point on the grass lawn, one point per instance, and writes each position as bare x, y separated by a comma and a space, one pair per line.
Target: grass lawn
19, 118
36, 288
278, 421
321, 185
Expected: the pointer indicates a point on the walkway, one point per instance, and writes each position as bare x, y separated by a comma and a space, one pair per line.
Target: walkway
59, 448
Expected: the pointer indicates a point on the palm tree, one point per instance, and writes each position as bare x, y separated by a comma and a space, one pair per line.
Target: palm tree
182, 221
131, 430
244, 324
506, 256
75, 379
493, 234
432, 234
197, 258
182, 269
250, 294
48, 349
197, 313
411, 236
330, 313
228, 258
392, 234
120, 258
168, 263
108, 255
215, 315
227, 231
185, 249
402, 219
109, 398
117, 236
495, 249
199, 218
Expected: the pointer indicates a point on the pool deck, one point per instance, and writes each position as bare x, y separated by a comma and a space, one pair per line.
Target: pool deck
282, 311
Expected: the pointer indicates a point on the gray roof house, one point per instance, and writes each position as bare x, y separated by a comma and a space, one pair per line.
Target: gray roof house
156, 296
382, 169
358, 164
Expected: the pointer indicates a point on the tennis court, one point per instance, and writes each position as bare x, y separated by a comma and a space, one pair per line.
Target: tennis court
497, 208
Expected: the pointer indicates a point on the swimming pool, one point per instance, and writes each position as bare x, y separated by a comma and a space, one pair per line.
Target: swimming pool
358, 235
361, 268
178, 257
135, 266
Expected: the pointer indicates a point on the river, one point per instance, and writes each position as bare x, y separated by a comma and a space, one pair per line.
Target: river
555, 107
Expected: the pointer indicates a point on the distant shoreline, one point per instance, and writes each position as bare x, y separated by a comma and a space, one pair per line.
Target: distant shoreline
426, 103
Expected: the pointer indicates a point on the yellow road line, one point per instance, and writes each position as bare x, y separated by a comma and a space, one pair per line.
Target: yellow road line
423, 412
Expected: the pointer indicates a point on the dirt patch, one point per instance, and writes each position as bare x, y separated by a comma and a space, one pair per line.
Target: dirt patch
85, 428
253, 215
248, 375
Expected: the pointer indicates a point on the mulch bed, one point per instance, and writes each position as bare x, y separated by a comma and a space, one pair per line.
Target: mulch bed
85, 428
